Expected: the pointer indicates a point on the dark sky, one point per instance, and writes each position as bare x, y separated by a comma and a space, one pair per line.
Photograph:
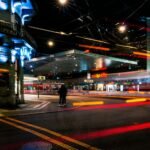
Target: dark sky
96, 19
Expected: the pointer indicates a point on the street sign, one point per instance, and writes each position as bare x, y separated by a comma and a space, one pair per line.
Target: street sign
41, 78
88, 81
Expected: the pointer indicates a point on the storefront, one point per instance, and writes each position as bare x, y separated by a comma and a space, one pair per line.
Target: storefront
123, 81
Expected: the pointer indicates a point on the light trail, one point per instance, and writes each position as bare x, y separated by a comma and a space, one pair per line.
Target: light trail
141, 54
91, 39
88, 103
109, 106
94, 47
112, 131
136, 100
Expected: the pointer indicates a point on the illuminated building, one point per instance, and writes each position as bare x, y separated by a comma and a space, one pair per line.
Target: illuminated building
16, 46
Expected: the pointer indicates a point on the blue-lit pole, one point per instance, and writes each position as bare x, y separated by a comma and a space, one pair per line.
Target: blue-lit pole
148, 42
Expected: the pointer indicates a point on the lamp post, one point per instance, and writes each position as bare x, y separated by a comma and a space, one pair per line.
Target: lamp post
40, 79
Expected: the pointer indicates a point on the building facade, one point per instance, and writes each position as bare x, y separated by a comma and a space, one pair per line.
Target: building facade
16, 46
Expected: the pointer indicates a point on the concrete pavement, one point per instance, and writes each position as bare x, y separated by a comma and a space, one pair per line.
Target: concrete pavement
49, 103
33, 105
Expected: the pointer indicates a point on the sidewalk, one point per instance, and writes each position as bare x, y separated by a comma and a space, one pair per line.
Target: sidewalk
49, 103
33, 105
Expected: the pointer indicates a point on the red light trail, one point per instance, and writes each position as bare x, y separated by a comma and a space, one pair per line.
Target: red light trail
95, 47
112, 131
111, 106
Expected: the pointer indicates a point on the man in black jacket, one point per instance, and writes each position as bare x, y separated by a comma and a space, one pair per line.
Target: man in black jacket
62, 95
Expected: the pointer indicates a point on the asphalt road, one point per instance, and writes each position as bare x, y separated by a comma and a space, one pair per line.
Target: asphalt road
114, 125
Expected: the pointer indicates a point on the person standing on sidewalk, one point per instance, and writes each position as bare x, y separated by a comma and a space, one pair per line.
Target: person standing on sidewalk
62, 95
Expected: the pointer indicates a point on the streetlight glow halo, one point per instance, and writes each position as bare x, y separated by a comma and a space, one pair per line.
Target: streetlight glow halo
62, 2
50, 43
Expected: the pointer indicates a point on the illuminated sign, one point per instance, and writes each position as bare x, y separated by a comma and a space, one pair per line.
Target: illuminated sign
24, 17
88, 81
40, 78
3, 58
13, 55
4, 70
3, 4
26, 52
102, 75
19, 7
3, 55
88, 76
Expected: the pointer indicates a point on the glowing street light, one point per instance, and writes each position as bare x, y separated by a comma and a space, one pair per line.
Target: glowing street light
63, 2
122, 28
51, 43
63, 33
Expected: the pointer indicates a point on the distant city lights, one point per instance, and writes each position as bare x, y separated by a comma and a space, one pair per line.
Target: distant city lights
31, 66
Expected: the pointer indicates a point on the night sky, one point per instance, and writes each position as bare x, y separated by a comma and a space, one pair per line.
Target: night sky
96, 19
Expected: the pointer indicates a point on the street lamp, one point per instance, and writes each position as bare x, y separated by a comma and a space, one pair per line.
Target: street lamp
50, 43
63, 2
122, 28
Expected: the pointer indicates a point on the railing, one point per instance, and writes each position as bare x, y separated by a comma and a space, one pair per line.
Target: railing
7, 28
16, 30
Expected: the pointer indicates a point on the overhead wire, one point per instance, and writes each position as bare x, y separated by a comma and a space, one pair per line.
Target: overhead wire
136, 10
